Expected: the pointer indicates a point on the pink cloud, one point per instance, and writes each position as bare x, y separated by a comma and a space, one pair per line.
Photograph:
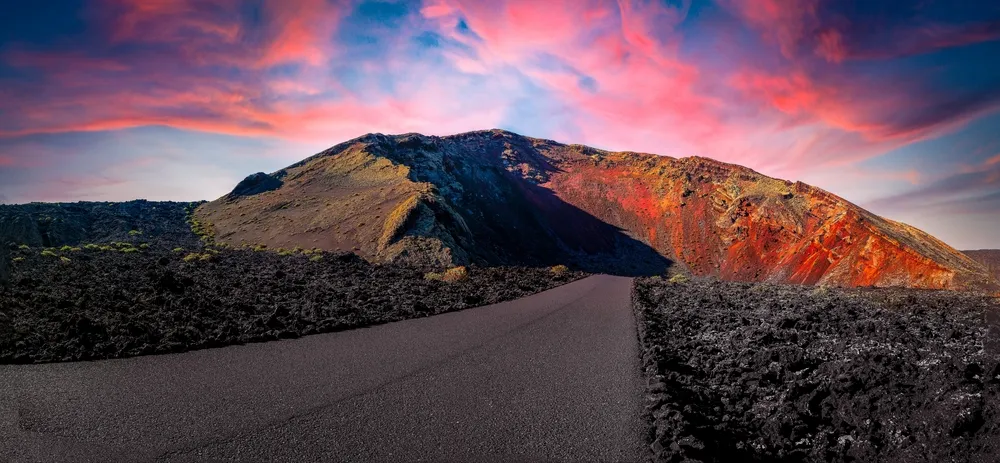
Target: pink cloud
614, 66
783, 22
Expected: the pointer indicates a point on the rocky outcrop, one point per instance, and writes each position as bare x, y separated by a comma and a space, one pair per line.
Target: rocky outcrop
256, 184
494, 197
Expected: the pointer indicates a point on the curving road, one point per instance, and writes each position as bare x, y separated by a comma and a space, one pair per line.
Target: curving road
551, 377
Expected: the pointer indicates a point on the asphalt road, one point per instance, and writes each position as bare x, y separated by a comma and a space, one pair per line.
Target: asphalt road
551, 377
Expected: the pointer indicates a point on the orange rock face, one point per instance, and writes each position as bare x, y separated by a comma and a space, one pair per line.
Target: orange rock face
729, 221
495, 197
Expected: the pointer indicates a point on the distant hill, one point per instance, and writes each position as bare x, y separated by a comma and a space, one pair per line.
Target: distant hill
495, 197
60, 224
988, 257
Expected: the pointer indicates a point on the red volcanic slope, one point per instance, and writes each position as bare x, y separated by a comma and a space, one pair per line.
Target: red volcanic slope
726, 220
497, 197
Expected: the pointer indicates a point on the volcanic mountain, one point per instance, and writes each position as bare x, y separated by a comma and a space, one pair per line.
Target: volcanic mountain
495, 197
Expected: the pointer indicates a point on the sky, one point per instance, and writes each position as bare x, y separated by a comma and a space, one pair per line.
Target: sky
894, 105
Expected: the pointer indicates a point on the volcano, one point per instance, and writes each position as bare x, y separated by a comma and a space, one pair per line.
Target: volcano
499, 198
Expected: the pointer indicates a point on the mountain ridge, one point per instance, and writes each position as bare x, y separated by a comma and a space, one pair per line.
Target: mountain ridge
496, 197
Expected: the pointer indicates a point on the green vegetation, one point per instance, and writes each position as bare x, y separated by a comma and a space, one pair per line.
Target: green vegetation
316, 258
178, 249
260, 247
48, 253
559, 269
66, 248
75, 249
203, 230
65, 260
134, 233
24, 247
18, 259
285, 252
130, 250
679, 278
205, 257
91, 247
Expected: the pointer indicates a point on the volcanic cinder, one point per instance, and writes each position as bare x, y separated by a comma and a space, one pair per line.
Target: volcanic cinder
990, 258
495, 197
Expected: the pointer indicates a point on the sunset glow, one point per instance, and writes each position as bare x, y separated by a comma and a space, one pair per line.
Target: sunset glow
891, 106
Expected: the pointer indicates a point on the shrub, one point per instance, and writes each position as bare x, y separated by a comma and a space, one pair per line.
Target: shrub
24, 247
65, 260
18, 259
821, 290
433, 276
284, 252
91, 247
191, 257
66, 248
207, 257
178, 249
107, 248
260, 247
316, 258
134, 233
130, 250
559, 269
144, 246
75, 249
679, 278
48, 253
455, 274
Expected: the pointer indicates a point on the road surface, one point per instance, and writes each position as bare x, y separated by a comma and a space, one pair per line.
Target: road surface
550, 377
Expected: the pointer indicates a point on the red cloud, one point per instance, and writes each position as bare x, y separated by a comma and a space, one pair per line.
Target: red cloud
613, 70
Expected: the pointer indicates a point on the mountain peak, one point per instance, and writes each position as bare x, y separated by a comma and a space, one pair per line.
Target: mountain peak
497, 197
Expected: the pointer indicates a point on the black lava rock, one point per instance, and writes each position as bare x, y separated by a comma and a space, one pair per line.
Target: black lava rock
758, 372
100, 304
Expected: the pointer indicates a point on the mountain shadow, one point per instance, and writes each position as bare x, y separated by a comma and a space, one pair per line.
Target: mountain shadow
418, 201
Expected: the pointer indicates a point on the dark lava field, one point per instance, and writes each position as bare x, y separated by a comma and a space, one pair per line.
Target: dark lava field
757, 372
91, 303
99, 280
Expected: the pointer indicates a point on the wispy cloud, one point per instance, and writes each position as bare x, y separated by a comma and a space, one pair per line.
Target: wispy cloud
786, 87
